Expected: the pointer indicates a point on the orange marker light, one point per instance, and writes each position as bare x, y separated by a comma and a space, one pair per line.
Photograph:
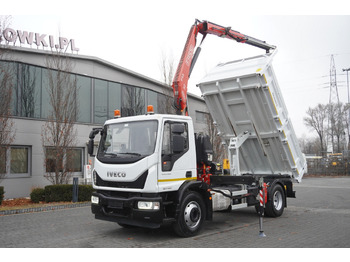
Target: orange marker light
150, 109
116, 113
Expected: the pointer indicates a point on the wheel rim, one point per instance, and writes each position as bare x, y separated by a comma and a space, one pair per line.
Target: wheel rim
277, 200
192, 214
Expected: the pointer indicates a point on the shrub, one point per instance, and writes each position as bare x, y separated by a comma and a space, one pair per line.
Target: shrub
85, 192
37, 195
57, 193
2, 192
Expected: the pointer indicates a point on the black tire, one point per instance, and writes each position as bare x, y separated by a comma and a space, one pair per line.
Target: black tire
276, 203
191, 216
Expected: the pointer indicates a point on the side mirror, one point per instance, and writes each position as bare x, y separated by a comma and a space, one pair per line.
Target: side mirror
177, 128
94, 132
92, 135
178, 144
91, 147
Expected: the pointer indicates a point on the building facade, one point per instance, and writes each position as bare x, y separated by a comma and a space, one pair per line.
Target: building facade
102, 88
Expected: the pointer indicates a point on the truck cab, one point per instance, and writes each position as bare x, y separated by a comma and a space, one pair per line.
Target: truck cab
142, 162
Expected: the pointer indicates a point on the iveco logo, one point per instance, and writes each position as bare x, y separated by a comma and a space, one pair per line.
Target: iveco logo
116, 174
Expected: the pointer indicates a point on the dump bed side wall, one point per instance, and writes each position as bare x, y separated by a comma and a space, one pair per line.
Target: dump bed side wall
244, 96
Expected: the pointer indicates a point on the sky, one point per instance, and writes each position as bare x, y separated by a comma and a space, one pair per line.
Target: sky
137, 34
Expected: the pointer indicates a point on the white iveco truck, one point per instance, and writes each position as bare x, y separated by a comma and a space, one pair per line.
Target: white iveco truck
153, 169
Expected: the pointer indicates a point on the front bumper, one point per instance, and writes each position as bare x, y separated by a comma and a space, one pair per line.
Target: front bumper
124, 210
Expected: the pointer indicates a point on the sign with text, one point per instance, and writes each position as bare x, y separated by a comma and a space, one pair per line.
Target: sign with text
87, 172
13, 36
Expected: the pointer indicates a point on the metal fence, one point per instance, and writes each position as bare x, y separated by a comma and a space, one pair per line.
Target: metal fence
334, 165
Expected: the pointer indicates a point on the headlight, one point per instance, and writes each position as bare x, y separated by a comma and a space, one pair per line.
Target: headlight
94, 200
148, 205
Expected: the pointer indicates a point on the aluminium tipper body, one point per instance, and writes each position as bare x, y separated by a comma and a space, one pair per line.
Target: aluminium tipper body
245, 100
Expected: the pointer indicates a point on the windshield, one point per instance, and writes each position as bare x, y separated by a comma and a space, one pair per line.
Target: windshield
128, 140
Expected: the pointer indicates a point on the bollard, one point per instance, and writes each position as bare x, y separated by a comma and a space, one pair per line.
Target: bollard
75, 189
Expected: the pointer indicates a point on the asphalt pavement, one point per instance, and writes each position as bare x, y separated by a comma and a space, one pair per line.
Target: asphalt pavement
318, 217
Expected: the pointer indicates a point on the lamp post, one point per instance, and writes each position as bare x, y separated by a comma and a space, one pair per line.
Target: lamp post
347, 82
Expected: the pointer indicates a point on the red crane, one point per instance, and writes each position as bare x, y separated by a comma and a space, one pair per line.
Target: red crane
189, 57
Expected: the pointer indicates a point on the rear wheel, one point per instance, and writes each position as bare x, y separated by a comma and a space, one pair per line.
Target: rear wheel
191, 217
275, 205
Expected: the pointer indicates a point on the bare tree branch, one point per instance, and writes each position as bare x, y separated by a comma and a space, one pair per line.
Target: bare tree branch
7, 132
317, 119
218, 148
329, 120
59, 133
167, 69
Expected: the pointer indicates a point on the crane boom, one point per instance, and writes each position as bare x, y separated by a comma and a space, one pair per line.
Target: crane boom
189, 56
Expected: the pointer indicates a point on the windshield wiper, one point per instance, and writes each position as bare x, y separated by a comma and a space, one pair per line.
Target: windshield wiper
131, 153
110, 154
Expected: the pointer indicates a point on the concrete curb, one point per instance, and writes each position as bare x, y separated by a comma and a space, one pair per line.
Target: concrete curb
42, 209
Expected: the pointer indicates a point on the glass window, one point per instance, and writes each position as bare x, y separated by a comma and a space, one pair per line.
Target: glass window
70, 159
84, 99
152, 99
114, 98
165, 104
127, 100
15, 161
59, 90
46, 107
37, 89
8, 85
100, 101
53, 159
128, 140
74, 160
139, 101
133, 101
166, 145
171, 134
19, 160
30, 90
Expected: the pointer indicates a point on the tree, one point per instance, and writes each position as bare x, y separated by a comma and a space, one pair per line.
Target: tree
59, 133
309, 145
5, 21
27, 91
167, 68
133, 101
7, 132
330, 121
219, 150
317, 119
339, 120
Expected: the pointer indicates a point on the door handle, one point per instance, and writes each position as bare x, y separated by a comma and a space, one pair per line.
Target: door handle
188, 174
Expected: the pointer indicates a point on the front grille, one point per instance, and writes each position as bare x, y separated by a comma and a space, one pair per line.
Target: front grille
138, 183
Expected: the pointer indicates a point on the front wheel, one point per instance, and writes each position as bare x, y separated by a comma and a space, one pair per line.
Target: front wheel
191, 216
275, 206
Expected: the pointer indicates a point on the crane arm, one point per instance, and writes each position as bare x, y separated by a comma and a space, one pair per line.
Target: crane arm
189, 56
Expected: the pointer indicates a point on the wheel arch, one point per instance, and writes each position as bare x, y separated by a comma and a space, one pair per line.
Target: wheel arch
272, 185
199, 187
